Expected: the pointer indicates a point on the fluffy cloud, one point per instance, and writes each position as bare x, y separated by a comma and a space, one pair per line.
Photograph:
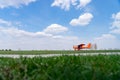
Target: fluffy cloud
8, 27
14, 38
6, 23
110, 40
48, 32
106, 36
83, 20
116, 16
14, 32
65, 4
55, 29
45, 43
116, 31
116, 23
14, 3
83, 3
107, 41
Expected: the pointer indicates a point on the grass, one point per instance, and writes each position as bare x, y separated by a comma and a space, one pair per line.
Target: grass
100, 67
57, 51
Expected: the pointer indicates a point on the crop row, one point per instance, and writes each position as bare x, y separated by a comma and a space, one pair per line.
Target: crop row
101, 67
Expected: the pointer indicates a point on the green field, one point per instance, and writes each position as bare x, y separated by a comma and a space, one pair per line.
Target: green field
100, 67
97, 67
57, 51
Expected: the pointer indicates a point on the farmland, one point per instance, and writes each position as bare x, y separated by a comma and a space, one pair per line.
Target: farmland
100, 67
66, 67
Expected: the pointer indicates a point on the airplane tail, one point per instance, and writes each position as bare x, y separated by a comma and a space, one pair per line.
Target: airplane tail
88, 46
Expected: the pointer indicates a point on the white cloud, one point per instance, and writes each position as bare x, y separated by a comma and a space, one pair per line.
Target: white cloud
65, 4
83, 3
8, 27
14, 38
116, 23
14, 32
107, 41
110, 41
3, 22
106, 36
14, 3
83, 20
55, 29
116, 31
116, 16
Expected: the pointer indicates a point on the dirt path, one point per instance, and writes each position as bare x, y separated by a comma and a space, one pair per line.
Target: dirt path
51, 55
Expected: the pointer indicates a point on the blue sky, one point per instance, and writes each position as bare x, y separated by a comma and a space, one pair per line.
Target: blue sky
59, 24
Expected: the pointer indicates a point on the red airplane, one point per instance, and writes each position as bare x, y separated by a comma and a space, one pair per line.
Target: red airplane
82, 46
